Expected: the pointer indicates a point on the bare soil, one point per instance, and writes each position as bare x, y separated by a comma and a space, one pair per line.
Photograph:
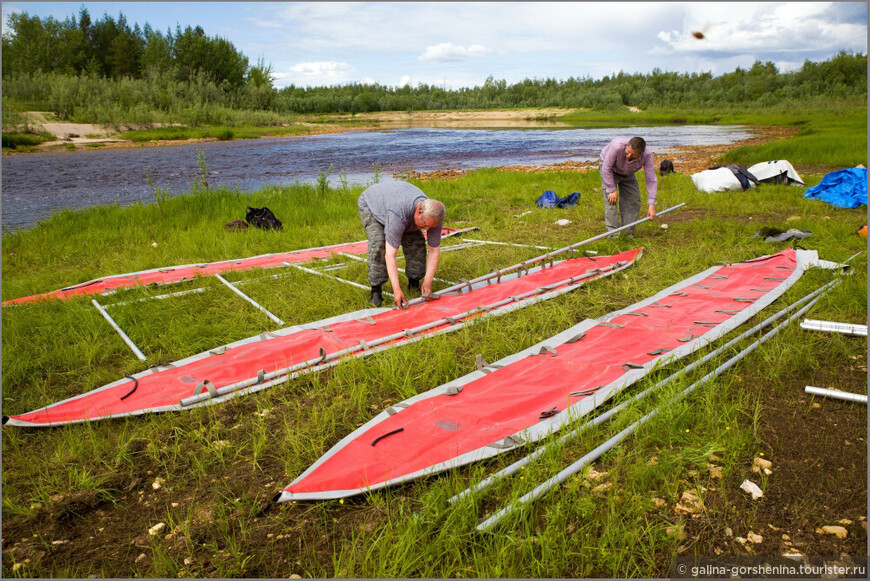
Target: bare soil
79, 134
818, 474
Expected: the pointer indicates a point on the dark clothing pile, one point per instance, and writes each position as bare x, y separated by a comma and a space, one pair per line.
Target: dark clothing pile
741, 173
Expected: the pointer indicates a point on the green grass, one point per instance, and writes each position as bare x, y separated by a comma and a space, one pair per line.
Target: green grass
221, 132
220, 465
24, 141
823, 139
827, 135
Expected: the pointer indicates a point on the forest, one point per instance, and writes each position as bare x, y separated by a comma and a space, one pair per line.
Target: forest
108, 71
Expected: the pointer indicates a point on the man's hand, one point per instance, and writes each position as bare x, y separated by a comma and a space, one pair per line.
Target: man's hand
651, 212
393, 274
612, 197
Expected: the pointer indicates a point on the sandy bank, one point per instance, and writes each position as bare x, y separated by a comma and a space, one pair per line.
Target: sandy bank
690, 159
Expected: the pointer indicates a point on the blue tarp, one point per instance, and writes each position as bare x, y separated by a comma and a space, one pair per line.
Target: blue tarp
846, 188
549, 199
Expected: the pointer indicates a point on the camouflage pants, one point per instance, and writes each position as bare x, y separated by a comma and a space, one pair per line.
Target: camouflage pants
413, 243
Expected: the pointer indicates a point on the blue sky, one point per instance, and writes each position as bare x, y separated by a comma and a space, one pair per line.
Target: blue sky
460, 44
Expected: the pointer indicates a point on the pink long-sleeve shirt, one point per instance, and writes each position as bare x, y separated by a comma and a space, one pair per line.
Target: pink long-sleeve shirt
613, 160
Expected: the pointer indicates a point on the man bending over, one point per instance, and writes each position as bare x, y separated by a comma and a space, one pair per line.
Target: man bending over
620, 159
393, 213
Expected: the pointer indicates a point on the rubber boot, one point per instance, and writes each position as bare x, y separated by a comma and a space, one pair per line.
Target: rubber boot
413, 284
376, 298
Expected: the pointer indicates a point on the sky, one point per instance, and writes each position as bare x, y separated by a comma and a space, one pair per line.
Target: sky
460, 44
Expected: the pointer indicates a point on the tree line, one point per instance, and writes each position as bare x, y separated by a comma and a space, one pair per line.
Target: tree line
111, 48
107, 71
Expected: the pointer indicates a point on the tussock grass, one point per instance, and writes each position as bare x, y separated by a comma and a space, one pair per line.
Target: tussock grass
220, 465
220, 132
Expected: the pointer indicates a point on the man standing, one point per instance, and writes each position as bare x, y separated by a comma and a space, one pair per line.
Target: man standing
393, 213
620, 159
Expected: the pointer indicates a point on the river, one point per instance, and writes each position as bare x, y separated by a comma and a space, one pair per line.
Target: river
36, 185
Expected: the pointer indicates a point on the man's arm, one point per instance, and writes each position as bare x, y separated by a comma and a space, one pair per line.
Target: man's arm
607, 176
393, 274
432, 257
652, 184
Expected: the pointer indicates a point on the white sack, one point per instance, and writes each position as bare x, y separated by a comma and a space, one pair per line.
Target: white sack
716, 180
770, 169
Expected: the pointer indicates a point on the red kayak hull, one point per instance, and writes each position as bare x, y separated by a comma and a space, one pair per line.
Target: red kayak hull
259, 362
531, 394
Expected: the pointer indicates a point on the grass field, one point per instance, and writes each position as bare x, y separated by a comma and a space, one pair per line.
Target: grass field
80, 500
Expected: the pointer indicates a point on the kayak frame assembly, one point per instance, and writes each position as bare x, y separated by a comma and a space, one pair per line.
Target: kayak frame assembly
516, 466
233, 286
510, 402
174, 274
154, 393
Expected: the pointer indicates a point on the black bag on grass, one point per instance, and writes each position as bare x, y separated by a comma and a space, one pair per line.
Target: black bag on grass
263, 218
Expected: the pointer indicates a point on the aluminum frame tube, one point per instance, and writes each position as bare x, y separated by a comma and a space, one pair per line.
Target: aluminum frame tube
508, 244
834, 327
516, 466
599, 451
160, 297
338, 278
249, 299
195, 290
120, 331
835, 394
544, 258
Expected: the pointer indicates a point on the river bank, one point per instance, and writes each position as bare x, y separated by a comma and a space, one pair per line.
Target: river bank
688, 158
71, 136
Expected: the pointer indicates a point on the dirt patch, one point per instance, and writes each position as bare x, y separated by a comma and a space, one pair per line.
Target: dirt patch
817, 476
478, 119
76, 134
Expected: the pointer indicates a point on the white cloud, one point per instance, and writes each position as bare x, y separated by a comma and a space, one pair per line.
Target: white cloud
460, 44
448, 52
516, 40
405, 80
763, 28
320, 72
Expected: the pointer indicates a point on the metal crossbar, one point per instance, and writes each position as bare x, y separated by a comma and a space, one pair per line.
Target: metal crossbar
834, 327
361, 259
232, 287
508, 244
332, 276
120, 331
